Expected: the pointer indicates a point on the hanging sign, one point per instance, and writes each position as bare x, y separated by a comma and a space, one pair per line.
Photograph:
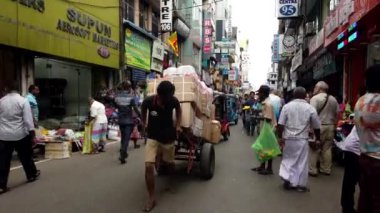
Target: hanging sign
166, 16
287, 8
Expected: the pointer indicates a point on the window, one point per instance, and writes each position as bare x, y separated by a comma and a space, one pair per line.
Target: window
155, 24
130, 10
143, 10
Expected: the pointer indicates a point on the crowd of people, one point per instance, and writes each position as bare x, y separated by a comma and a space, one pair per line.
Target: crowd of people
306, 129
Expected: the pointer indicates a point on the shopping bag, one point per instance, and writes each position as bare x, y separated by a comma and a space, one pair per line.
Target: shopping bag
113, 132
266, 145
87, 140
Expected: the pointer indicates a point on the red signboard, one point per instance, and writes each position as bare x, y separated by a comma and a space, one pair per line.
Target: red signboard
207, 39
342, 14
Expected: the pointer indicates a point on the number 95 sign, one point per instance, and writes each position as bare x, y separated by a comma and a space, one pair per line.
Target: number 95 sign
287, 8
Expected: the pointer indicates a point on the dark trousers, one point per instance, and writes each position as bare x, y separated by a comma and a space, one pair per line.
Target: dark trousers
25, 154
126, 131
350, 179
369, 199
269, 165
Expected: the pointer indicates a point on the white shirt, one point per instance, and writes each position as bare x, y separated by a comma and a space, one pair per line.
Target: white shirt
16, 118
298, 117
329, 114
98, 111
352, 142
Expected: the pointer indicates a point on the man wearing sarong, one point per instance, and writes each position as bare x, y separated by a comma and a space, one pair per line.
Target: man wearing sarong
99, 129
296, 118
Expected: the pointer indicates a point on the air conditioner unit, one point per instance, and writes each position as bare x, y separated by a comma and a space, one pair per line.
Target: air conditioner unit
310, 28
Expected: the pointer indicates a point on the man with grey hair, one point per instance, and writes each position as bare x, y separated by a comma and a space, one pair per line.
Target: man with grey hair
327, 108
296, 119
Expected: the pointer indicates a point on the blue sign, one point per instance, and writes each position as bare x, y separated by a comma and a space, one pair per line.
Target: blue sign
288, 8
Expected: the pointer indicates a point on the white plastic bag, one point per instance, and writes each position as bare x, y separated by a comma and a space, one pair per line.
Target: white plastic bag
113, 132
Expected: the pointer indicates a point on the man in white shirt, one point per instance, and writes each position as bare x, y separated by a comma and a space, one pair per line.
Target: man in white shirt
16, 132
296, 119
100, 122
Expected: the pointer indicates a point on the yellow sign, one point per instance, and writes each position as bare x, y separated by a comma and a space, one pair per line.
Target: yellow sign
84, 30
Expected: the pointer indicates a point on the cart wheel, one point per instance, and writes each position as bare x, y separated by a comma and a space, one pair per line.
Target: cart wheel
207, 161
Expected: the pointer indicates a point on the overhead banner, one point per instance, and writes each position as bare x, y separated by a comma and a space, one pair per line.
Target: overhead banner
276, 49
137, 50
78, 31
166, 16
287, 8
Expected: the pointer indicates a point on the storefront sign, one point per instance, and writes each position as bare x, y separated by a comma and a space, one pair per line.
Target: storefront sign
331, 23
287, 45
207, 39
166, 16
287, 8
297, 60
324, 66
158, 50
345, 11
61, 28
317, 41
225, 44
232, 74
352, 14
276, 49
137, 50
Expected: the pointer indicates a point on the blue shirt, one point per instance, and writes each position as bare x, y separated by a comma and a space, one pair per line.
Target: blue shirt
33, 105
125, 101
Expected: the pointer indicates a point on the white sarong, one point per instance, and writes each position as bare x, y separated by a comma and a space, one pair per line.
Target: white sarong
294, 164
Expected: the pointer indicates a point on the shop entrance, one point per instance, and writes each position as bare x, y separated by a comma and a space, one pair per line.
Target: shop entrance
65, 88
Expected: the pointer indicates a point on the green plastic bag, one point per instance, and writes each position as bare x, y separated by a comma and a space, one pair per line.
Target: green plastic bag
266, 145
87, 139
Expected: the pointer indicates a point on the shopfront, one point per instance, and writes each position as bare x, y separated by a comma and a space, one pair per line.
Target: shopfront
138, 53
70, 50
353, 35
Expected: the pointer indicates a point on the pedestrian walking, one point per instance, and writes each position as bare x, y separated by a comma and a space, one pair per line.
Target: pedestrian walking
99, 121
126, 105
16, 132
161, 133
276, 103
34, 91
268, 116
328, 109
296, 119
351, 148
367, 120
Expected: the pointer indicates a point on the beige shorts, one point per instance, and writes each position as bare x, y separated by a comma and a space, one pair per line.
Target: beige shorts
154, 147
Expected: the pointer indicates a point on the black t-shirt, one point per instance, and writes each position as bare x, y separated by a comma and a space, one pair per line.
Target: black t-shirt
160, 119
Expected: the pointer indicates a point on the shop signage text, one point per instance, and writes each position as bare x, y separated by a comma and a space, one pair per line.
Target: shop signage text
86, 27
287, 8
38, 5
276, 49
64, 29
166, 16
207, 40
158, 52
137, 50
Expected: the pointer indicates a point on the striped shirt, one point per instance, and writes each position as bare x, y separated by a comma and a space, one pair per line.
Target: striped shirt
367, 119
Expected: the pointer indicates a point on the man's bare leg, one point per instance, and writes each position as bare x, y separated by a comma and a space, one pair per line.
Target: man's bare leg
150, 185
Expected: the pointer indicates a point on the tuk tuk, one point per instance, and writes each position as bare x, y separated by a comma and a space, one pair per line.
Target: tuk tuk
232, 108
221, 113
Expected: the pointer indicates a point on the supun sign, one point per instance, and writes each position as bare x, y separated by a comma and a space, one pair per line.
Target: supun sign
166, 16
287, 8
65, 29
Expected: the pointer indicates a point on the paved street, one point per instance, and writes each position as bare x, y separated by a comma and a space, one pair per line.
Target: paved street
98, 183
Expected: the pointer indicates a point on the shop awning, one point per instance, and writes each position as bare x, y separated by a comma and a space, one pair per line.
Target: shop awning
139, 29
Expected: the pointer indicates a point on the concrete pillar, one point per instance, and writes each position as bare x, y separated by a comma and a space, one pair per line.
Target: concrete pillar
150, 14
137, 12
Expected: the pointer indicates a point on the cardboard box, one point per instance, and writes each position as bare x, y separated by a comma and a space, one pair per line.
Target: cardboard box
206, 132
215, 131
58, 150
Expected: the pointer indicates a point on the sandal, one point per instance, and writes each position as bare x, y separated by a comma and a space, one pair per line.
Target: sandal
149, 206
4, 190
